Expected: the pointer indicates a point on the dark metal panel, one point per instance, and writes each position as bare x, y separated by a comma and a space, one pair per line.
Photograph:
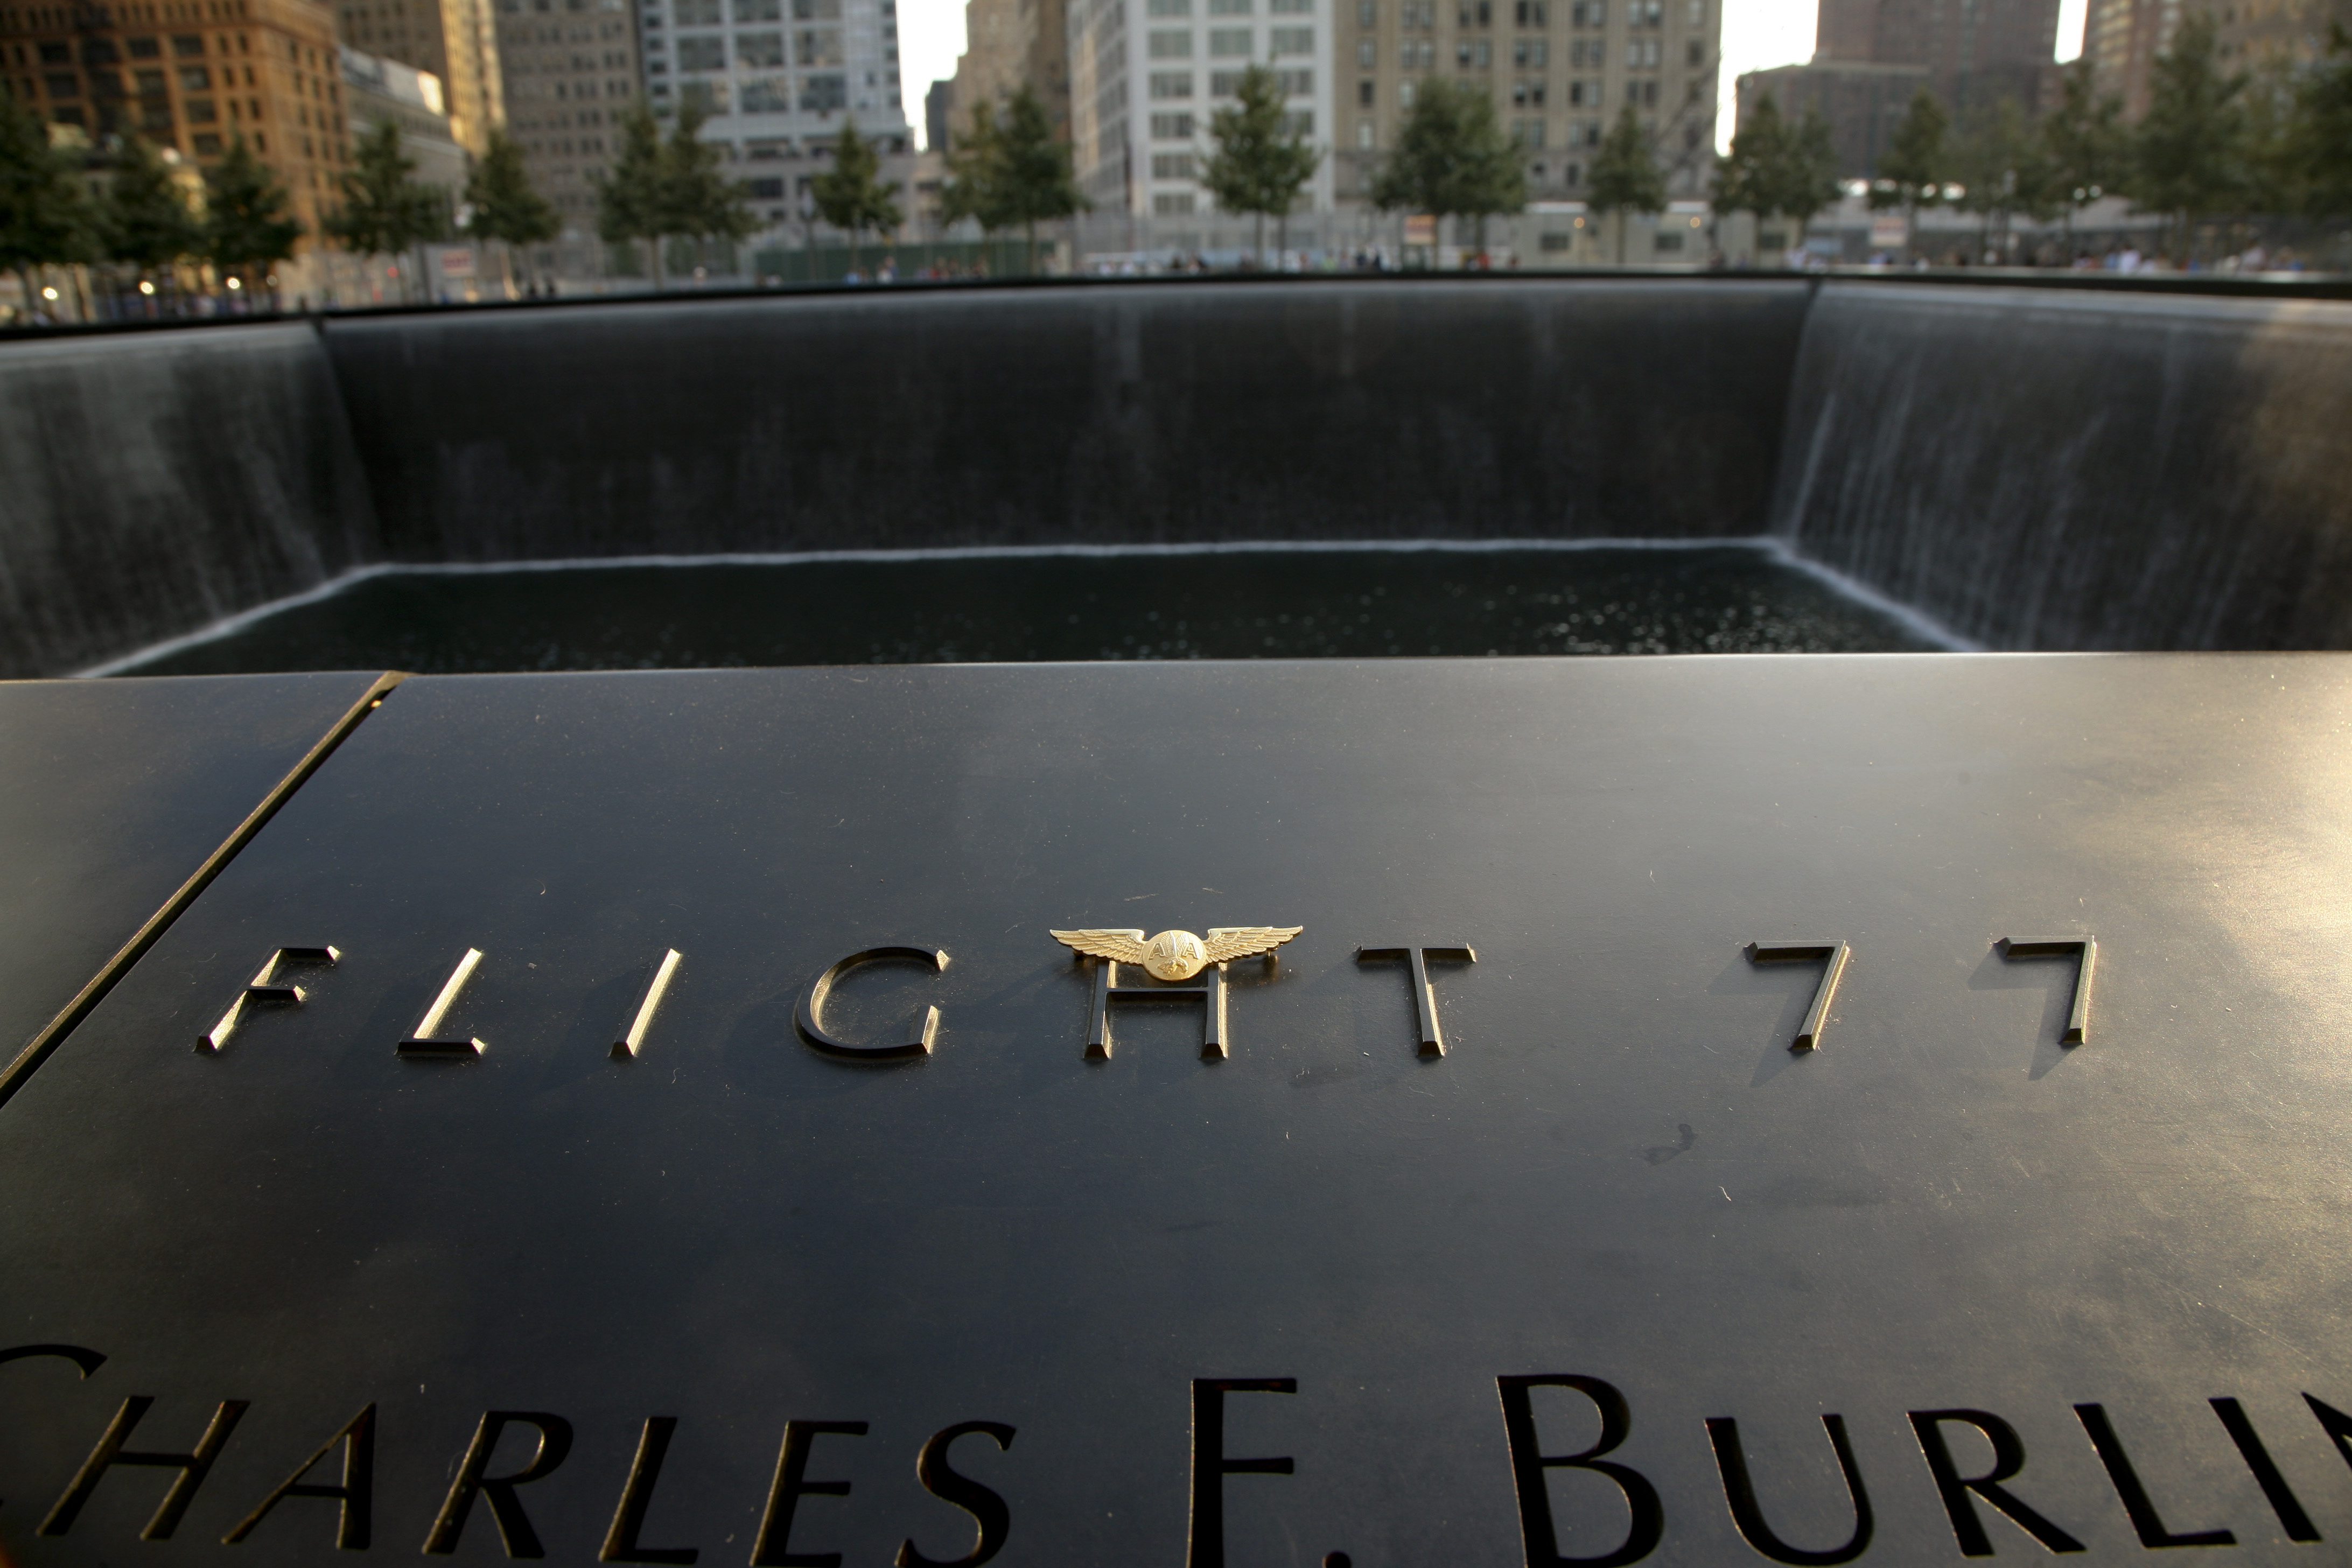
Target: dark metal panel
112, 795
1362, 410
1617, 1169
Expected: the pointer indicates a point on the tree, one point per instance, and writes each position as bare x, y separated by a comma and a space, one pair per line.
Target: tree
1911, 171
504, 206
1808, 173
1260, 164
2316, 151
2002, 168
146, 220
2188, 154
45, 214
1011, 170
247, 226
696, 197
851, 195
1746, 177
2083, 142
1626, 177
1774, 167
1452, 159
629, 195
384, 212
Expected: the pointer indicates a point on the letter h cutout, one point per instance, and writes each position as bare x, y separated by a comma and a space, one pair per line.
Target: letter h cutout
1210, 990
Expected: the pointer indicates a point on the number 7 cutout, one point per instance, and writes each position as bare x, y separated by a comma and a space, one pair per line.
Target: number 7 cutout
2078, 1017
1831, 956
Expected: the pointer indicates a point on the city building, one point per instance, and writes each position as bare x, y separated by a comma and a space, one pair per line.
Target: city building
1863, 103
570, 68
1560, 71
778, 77
454, 40
1146, 75
191, 74
1013, 44
2255, 33
939, 110
2121, 38
1870, 56
378, 89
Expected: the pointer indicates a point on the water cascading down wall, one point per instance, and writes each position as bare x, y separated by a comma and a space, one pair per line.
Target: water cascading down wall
2033, 468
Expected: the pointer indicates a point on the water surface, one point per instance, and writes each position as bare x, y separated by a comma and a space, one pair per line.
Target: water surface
936, 608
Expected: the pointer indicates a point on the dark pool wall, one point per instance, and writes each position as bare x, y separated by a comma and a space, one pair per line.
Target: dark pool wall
2035, 470
151, 484
1099, 414
2038, 470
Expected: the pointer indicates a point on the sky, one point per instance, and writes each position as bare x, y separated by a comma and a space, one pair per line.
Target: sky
1755, 34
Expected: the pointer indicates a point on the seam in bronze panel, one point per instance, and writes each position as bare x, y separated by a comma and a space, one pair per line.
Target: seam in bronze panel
30, 1058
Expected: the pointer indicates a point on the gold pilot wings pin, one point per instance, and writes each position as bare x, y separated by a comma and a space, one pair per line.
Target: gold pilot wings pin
1178, 955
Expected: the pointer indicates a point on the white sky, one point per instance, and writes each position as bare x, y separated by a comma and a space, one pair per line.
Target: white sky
1755, 34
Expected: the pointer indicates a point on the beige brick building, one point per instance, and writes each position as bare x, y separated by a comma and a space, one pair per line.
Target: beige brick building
1560, 71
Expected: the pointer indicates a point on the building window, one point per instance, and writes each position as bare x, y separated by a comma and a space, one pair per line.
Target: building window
1364, 93
1290, 7
764, 95
1299, 122
1169, 8
817, 47
1291, 40
209, 145
1589, 14
99, 52
1178, 45
1172, 166
759, 49
1534, 52
1171, 127
1368, 13
63, 84
1475, 14
698, 13
1172, 84
196, 78
1225, 43
1229, 7
146, 49
767, 190
1404, 95
1165, 203
703, 53
823, 94
188, 46
1364, 134
1534, 12
1368, 55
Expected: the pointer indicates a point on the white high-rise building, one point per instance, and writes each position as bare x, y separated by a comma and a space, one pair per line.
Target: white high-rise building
1146, 75
778, 76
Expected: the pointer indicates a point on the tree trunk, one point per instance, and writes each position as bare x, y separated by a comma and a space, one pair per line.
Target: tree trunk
653, 247
1033, 247
855, 229
1260, 246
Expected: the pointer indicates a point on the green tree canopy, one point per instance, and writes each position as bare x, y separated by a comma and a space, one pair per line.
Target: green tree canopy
2316, 151
1259, 164
247, 224
628, 193
383, 211
2189, 152
1775, 167
504, 206
1911, 171
1011, 170
698, 198
1452, 159
146, 220
45, 213
1809, 176
1626, 177
2082, 139
1745, 178
851, 195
